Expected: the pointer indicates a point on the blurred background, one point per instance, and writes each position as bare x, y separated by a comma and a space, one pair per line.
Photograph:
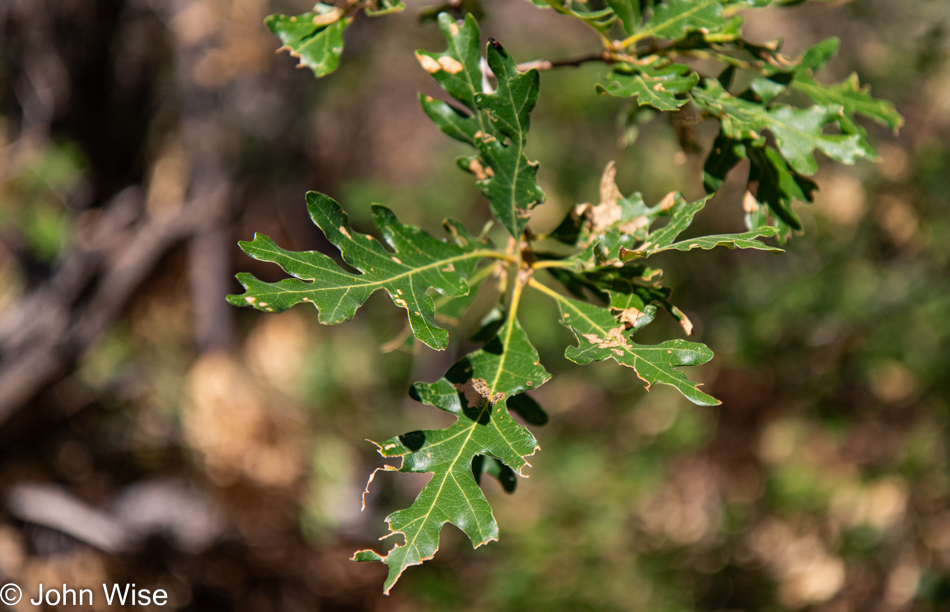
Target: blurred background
150, 433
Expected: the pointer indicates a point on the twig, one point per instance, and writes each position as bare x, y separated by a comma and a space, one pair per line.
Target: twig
600, 56
55, 325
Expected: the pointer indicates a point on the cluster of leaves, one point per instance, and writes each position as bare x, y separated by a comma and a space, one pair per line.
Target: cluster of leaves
608, 293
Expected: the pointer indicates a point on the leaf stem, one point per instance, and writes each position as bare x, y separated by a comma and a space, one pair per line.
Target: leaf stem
722, 57
552, 263
499, 255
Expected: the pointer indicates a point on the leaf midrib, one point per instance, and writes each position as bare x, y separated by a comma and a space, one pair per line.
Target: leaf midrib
651, 29
471, 431
480, 254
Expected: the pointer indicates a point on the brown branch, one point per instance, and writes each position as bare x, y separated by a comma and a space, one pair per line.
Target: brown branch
56, 324
600, 56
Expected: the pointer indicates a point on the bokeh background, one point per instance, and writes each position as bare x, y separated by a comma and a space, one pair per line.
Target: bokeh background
150, 433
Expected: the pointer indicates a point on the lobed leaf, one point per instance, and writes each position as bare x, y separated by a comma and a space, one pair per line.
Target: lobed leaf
622, 289
798, 132
661, 84
416, 263
477, 390
848, 94
600, 335
621, 228
599, 19
682, 216
776, 184
496, 124
316, 37
676, 17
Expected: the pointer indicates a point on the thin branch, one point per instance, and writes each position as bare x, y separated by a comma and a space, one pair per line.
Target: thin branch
599, 56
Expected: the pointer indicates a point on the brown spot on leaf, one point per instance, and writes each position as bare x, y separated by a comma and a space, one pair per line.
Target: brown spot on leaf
331, 16
668, 201
684, 320
345, 233
631, 227
474, 391
480, 171
614, 339
749, 203
428, 64
630, 316
608, 211
480, 385
450, 64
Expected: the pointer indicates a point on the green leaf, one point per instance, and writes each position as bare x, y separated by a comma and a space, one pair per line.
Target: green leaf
745, 240
629, 12
848, 94
476, 390
798, 132
315, 37
600, 335
600, 20
616, 222
496, 124
513, 187
776, 185
682, 217
676, 17
417, 263
623, 290
457, 69
620, 228
384, 7
656, 84
725, 155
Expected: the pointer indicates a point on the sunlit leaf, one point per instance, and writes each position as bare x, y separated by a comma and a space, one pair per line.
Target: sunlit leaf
496, 123
674, 18
798, 132
416, 263
316, 38
601, 335
660, 84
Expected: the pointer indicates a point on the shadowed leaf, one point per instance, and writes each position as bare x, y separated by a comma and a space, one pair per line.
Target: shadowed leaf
475, 390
